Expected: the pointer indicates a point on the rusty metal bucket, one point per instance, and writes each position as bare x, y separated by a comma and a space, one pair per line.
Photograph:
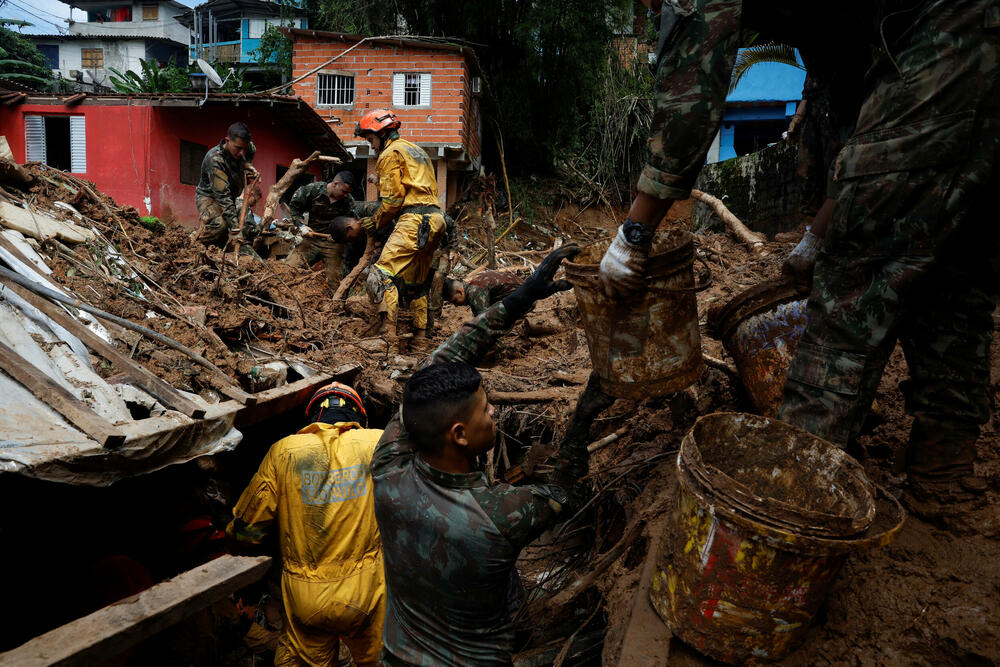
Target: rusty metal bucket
737, 579
649, 345
760, 329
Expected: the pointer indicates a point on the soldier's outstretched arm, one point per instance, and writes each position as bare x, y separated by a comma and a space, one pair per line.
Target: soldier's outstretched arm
698, 44
475, 337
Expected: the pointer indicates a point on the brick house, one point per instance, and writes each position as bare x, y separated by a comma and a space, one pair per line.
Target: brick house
432, 86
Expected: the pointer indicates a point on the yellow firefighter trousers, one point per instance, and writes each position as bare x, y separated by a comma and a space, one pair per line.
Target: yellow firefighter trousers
319, 613
403, 259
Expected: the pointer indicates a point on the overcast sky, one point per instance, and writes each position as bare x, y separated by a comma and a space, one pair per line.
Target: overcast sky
48, 15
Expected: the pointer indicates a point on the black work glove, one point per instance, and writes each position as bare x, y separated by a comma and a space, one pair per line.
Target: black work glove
540, 284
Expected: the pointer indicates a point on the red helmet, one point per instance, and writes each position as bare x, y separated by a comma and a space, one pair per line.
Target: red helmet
377, 121
351, 397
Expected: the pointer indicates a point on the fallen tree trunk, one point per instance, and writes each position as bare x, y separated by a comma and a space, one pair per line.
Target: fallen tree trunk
348, 282
14, 174
733, 224
279, 188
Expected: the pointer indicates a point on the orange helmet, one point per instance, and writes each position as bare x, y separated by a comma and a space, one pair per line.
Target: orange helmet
377, 121
351, 399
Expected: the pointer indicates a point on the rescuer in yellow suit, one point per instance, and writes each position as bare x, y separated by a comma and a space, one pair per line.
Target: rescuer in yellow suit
317, 485
408, 189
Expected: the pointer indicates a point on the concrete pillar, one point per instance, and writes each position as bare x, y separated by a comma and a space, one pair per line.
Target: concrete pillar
442, 182
371, 191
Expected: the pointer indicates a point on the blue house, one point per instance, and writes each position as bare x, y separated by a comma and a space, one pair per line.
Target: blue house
229, 31
759, 110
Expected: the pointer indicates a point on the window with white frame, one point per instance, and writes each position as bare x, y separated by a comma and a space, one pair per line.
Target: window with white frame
58, 141
334, 90
411, 89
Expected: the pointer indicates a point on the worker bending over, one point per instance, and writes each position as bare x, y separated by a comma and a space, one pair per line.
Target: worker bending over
224, 170
409, 196
451, 538
316, 485
481, 290
314, 208
907, 256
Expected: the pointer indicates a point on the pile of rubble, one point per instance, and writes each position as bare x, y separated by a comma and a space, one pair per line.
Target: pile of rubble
260, 325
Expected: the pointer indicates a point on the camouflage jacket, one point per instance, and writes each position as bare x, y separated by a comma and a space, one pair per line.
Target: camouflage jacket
451, 540
222, 180
314, 200
489, 287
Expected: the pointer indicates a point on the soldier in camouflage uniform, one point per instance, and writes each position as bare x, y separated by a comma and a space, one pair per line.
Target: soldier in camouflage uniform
482, 290
324, 202
907, 256
222, 176
451, 539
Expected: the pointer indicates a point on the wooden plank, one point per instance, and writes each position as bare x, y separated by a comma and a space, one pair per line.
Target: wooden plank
275, 401
237, 394
647, 638
77, 413
108, 632
142, 377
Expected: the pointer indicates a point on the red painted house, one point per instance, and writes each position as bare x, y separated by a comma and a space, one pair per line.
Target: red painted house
431, 85
146, 150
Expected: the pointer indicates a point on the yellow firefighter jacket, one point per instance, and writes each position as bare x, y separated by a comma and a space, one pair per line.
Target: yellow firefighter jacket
406, 178
317, 485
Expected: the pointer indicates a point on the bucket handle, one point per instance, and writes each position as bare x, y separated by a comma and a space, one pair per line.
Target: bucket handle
697, 288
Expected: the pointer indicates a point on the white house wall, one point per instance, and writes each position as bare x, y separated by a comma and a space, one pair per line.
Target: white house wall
165, 25
121, 55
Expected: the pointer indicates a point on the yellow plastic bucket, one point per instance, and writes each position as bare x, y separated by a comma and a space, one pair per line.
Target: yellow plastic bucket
648, 345
735, 578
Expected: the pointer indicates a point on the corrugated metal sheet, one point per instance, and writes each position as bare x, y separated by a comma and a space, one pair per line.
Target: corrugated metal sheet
78, 144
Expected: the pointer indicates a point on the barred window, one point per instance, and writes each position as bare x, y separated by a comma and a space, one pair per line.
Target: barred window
334, 90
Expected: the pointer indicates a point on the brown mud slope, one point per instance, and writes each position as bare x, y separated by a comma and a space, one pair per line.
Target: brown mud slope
932, 597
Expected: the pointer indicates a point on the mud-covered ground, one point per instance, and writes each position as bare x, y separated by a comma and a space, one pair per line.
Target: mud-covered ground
932, 597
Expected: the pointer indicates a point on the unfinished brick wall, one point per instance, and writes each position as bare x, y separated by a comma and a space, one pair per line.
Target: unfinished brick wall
452, 118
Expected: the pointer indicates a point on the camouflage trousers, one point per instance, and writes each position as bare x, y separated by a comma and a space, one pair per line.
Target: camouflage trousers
333, 258
913, 250
214, 228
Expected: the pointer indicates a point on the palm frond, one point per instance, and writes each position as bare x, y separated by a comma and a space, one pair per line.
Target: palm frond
762, 53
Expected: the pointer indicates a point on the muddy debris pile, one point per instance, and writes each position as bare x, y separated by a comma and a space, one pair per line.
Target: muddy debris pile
928, 598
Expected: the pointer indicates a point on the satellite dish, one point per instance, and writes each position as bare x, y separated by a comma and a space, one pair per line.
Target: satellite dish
210, 73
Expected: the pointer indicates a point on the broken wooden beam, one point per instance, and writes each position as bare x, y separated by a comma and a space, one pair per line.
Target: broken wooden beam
74, 99
752, 240
647, 638
77, 413
288, 178
14, 174
141, 376
108, 632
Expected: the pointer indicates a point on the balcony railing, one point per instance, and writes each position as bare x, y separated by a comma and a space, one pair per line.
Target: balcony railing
225, 52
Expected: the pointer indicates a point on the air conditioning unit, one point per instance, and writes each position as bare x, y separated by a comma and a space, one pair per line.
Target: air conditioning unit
477, 84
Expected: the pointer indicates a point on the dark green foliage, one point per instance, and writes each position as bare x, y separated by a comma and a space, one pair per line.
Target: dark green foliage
22, 62
154, 79
275, 49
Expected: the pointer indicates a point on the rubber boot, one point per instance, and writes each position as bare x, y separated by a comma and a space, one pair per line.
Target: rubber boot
419, 344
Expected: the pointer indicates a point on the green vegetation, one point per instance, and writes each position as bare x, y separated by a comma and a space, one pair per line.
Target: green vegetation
152, 223
22, 62
154, 79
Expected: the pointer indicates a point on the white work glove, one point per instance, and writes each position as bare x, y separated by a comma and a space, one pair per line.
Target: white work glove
303, 230
800, 261
623, 269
